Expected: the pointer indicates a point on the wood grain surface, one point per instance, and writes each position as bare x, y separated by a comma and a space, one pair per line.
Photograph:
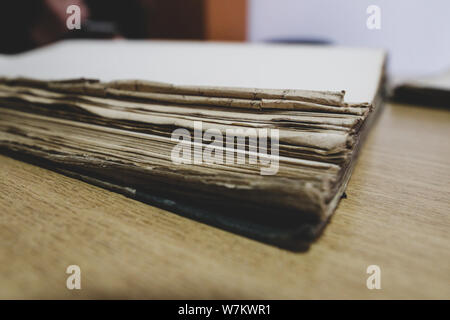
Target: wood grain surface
397, 216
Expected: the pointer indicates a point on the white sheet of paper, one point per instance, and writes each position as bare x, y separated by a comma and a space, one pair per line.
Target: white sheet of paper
271, 66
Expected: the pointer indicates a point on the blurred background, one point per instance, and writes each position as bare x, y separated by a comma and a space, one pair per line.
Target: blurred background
416, 33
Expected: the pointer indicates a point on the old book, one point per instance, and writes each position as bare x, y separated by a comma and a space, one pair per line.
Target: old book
259, 140
428, 91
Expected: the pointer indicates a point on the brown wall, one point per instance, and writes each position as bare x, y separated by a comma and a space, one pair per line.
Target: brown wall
226, 20
176, 19
197, 19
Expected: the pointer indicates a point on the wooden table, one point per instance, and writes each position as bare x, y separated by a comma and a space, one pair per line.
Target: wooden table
397, 216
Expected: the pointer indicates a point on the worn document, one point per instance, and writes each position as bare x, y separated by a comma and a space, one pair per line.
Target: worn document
259, 140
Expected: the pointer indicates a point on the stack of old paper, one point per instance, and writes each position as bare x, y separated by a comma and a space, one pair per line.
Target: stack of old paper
257, 139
